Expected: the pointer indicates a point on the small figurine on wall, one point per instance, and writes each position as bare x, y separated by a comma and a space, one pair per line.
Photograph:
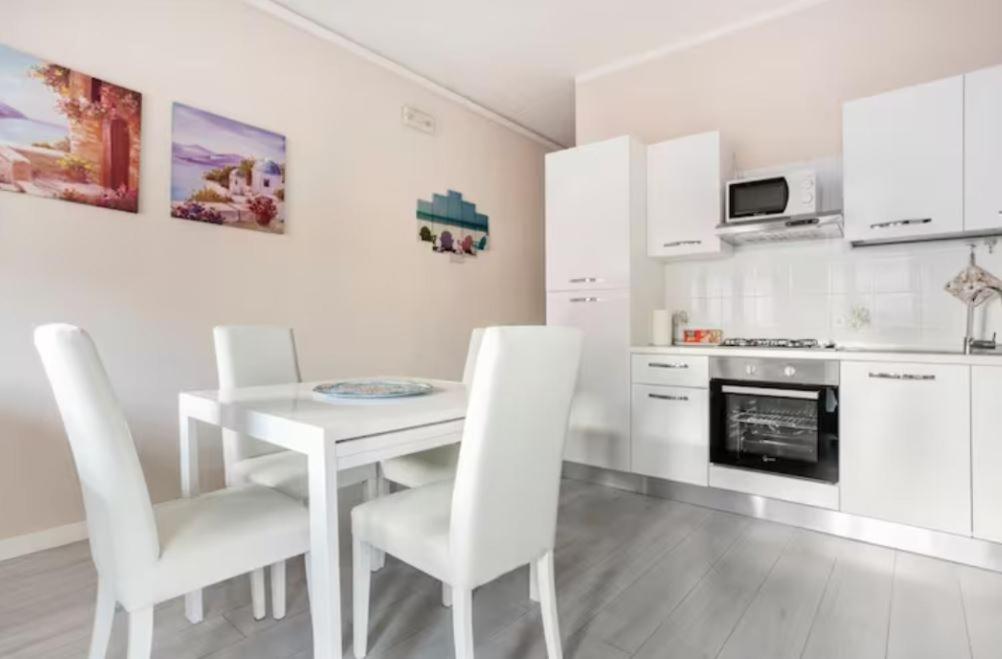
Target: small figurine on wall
452, 225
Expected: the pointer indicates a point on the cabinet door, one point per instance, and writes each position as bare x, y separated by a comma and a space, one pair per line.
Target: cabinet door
669, 433
905, 442
986, 451
599, 427
904, 162
684, 196
983, 150
588, 216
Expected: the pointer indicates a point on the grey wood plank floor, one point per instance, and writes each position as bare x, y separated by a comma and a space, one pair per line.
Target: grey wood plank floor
636, 577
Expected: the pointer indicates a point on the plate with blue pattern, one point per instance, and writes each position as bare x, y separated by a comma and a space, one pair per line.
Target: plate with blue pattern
374, 388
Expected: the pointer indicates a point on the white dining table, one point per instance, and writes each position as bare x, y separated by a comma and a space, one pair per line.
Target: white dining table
334, 434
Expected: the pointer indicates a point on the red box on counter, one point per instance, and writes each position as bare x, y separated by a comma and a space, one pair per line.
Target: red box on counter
702, 336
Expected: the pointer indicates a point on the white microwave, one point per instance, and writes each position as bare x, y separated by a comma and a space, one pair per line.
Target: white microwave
789, 194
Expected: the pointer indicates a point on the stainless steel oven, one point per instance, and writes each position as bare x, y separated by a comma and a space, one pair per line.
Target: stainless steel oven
775, 415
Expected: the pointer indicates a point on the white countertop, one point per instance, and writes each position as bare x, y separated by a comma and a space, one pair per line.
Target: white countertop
915, 356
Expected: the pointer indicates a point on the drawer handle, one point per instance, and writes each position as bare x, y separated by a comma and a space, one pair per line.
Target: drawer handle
919, 377
660, 365
584, 280
901, 223
586, 299
683, 399
683, 243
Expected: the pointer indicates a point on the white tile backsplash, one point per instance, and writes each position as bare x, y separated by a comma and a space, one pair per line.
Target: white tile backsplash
823, 289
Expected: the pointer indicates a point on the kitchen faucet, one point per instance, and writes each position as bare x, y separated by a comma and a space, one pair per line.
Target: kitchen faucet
970, 343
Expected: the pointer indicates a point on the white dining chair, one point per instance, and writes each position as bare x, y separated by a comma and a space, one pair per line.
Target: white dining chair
144, 554
500, 512
256, 355
437, 464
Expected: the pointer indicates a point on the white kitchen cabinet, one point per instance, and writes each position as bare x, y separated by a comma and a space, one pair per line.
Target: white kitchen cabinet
684, 196
903, 159
669, 433
599, 427
983, 150
905, 443
593, 192
986, 451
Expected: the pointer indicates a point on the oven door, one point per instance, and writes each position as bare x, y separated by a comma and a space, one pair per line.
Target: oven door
785, 429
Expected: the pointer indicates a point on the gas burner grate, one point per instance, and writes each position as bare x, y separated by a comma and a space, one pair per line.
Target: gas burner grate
772, 343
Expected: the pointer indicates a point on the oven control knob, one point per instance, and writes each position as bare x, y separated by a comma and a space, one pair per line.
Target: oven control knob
790, 371
751, 369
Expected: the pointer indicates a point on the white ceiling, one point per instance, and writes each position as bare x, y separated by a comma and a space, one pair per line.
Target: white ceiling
519, 58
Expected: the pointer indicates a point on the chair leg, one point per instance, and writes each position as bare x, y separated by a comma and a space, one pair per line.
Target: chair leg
258, 602
309, 573
462, 622
533, 582
374, 489
104, 615
278, 590
548, 605
446, 595
361, 557
141, 633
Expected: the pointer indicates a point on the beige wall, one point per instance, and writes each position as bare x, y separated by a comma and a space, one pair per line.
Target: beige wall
364, 296
776, 90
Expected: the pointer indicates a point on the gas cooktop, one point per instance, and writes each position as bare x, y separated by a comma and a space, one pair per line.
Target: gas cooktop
800, 344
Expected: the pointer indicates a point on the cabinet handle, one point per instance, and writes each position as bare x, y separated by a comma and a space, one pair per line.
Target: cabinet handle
901, 223
683, 399
586, 299
922, 377
681, 243
584, 280
660, 365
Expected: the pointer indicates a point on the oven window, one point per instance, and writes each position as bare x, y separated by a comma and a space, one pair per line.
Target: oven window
771, 428
767, 197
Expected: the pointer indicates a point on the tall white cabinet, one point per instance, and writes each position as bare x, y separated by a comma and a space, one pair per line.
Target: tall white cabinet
599, 279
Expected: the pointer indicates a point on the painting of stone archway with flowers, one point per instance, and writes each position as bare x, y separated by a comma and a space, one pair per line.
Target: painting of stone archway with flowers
226, 172
66, 134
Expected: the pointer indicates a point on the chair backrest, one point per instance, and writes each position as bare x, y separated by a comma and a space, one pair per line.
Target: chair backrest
472, 352
120, 521
504, 506
251, 356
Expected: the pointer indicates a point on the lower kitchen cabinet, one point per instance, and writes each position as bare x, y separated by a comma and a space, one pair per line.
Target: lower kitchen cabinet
670, 434
986, 447
905, 433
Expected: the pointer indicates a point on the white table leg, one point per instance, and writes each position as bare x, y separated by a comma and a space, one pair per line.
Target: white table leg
190, 488
325, 589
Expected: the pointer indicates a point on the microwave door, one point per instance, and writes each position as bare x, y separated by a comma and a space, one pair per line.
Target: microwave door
766, 197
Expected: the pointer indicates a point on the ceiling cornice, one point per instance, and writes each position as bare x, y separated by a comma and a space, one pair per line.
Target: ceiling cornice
316, 29
691, 42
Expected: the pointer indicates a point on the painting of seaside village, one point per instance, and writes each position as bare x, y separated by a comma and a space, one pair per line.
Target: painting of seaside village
67, 135
452, 225
226, 172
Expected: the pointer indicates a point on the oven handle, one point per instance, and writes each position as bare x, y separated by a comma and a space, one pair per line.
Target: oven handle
776, 393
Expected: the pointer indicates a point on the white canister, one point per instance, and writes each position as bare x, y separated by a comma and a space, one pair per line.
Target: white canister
661, 327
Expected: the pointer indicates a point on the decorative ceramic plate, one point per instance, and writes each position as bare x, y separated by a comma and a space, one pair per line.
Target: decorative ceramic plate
374, 388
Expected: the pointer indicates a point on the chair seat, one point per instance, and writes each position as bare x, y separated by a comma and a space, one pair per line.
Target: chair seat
285, 471
418, 469
225, 533
412, 525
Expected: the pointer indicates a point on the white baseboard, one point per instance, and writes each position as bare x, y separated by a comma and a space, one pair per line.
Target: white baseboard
29, 543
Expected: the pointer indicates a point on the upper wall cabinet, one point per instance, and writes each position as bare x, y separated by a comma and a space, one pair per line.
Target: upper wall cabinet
684, 196
983, 150
592, 197
903, 156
